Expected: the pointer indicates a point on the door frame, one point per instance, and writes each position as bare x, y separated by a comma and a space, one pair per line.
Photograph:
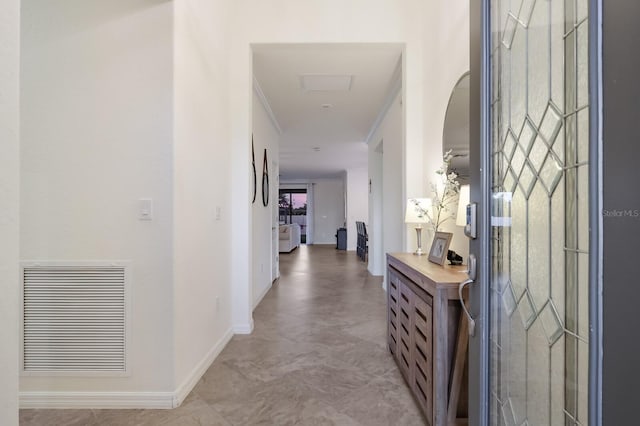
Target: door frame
479, 165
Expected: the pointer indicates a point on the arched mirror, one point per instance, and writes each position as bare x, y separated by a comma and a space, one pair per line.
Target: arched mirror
456, 128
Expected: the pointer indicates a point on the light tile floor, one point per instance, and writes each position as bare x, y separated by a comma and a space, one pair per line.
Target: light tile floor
317, 356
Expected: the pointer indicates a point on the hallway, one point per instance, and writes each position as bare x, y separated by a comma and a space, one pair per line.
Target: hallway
317, 356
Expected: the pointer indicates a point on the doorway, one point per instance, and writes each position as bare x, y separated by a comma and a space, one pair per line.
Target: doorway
292, 206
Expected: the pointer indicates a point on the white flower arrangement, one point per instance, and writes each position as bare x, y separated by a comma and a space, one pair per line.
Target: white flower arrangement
444, 195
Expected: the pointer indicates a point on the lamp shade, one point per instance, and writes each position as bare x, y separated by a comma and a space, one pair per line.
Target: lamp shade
461, 217
416, 208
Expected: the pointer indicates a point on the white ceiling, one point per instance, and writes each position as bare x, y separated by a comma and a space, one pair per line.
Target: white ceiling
339, 131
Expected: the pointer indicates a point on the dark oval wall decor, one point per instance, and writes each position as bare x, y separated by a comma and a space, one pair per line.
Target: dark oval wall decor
265, 180
255, 174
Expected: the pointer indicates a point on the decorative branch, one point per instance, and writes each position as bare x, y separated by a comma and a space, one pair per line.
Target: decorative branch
444, 194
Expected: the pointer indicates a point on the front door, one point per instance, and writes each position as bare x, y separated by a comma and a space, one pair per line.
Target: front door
536, 148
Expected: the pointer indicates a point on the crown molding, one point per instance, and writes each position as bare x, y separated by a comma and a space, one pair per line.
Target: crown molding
394, 88
265, 103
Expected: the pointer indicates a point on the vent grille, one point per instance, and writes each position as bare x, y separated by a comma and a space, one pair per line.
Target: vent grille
74, 319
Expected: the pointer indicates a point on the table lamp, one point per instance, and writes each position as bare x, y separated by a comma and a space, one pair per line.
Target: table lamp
418, 212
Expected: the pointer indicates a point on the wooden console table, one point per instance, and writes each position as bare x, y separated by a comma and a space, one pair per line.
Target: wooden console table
427, 334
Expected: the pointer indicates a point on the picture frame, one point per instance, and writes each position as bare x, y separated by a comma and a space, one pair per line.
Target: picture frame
440, 247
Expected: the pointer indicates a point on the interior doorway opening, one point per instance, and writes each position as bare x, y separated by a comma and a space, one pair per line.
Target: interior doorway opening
292, 206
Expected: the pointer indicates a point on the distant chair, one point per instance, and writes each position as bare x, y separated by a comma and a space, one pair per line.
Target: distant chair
362, 248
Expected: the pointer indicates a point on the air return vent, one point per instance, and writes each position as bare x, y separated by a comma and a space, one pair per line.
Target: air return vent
74, 319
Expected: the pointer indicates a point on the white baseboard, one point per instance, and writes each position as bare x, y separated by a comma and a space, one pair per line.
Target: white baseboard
125, 400
79, 400
243, 328
190, 382
262, 295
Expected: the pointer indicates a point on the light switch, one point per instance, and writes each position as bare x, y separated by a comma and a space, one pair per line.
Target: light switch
146, 209
218, 212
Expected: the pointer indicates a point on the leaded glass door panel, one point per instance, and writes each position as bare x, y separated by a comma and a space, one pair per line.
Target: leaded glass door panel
539, 317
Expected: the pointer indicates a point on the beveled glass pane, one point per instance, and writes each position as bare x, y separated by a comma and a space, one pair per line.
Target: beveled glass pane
557, 52
517, 370
583, 383
503, 362
494, 330
495, 407
538, 61
498, 17
517, 161
550, 124
526, 9
527, 135
583, 10
509, 301
557, 249
501, 279
583, 295
538, 153
507, 414
538, 367
499, 318
570, 76
504, 166
551, 322
583, 208
503, 7
518, 243
518, 104
495, 131
510, 27
583, 135
571, 374
539, 245
557, 382
510, 181
571, 302
527, 310
495, 78
495, 368
510, 143
498, 163
551, 173
543, 82
505, 90
527, 179
558, 147
583, 64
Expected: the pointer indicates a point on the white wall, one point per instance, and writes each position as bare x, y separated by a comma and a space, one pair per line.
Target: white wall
386, 183
9, 213
357, 183
376, 244
328, 206
202, 194
265, 135
446, 59
96, 122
